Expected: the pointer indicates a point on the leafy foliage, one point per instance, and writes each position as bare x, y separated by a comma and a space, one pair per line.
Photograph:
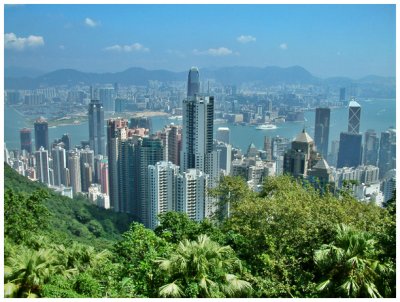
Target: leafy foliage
205, 266
350, 265
282, 242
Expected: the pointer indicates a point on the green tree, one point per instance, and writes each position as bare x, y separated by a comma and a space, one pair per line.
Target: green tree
350, 265
24, 215
135, 255
175, 226
27, 270
202, 268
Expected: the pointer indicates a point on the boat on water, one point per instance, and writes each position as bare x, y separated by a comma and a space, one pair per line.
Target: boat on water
266, 127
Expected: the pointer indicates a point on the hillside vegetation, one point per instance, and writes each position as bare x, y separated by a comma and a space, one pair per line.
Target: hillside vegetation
287, 241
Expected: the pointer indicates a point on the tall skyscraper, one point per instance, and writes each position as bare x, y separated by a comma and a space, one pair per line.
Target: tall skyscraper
74, 168
193, 86
116, 131
59, 165
26, 140
223, 135
42, 165
127, 178
162, 189
104, 176
350, 146
321, 137
371, 146
41, 134
87, 167
385, 153
354, 117
97, 139
197, 132
350, 150
149, 152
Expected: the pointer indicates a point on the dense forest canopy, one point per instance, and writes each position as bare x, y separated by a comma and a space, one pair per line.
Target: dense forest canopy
289, 240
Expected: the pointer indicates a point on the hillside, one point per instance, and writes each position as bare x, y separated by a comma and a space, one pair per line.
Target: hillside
72, 219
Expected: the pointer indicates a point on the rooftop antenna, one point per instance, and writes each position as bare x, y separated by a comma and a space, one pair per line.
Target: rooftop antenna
208, 87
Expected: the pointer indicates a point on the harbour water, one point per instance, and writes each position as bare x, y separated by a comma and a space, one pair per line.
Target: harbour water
375, 114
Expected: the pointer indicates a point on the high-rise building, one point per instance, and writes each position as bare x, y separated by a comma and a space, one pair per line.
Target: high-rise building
127, 176
321, 137
268, 148
350, 146
42, 165
225, 156
116, 131
371, 146
104, 176
192, 188
106, 96
197, 132
87, 168
193, 86
171, 138
350, 150
74, 168
354, 117
26, 140
59, 165
386, 152
223, 135
149, 152
301, 157
97, 139
162, 189
41, 134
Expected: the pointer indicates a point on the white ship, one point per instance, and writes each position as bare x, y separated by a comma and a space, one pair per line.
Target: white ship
266, 127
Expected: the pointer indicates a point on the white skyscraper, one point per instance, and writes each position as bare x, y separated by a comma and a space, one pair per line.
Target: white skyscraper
74, 171
192, 188
162, 189
42, 165
59, 165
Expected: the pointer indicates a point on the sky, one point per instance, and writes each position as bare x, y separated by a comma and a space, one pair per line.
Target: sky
327, 40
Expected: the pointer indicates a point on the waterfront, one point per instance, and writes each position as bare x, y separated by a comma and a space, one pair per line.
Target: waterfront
375, 114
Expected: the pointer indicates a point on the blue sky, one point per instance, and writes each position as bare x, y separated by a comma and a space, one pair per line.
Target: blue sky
328, 40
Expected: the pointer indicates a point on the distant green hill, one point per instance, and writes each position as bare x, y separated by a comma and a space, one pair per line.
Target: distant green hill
72, 219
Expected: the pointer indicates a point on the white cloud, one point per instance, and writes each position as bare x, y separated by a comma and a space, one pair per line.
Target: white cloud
283, 46
246, 39
91, 23
135, 47
11, 41
216, 52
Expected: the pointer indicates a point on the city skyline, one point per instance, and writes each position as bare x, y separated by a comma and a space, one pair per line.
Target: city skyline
347, 40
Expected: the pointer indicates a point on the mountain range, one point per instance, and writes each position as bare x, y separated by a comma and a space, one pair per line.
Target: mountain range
271, 75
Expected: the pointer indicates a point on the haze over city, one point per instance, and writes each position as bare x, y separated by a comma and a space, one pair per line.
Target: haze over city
327, 40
